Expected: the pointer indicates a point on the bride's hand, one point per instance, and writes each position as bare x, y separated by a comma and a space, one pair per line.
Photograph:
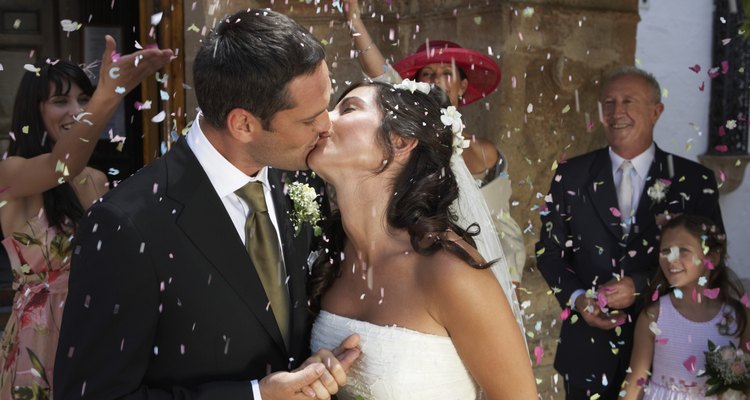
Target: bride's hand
337, 361
348, 351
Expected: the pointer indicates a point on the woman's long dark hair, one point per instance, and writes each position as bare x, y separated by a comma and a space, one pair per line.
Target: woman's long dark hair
423, 191
714, 240
54, 78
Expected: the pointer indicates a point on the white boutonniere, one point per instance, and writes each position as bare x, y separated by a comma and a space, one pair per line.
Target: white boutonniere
658, 191
306, 209
410, 85
451, 117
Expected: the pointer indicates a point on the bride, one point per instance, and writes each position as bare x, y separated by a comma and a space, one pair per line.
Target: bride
399, 269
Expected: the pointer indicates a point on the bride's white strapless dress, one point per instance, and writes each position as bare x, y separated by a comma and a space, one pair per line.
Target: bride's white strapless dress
396, 363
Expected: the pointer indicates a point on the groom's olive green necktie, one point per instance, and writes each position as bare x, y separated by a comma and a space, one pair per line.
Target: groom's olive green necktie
263, 246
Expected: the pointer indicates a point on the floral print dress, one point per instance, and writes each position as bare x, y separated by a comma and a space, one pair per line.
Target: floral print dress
40, 259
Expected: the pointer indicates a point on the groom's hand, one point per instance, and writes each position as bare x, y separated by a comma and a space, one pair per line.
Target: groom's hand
296, 385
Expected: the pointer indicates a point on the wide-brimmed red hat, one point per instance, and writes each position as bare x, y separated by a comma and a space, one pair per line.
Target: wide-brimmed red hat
481, 71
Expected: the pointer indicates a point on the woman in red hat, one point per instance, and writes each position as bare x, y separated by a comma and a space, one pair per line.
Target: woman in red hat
466, 76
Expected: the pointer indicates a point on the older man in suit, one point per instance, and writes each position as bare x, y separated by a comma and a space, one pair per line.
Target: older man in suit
598, 247
189, 280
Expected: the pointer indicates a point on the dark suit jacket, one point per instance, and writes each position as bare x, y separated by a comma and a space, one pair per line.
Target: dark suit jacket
582, 245
164, 301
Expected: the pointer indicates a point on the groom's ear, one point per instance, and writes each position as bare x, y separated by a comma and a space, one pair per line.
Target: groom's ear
242, 125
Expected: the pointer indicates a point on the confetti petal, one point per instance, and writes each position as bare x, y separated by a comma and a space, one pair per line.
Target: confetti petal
159, 117
654, 328
538, 353
689, 363
156, 18
711, 293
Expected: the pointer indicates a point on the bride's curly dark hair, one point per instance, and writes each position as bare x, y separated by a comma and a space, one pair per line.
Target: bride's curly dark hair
422, 192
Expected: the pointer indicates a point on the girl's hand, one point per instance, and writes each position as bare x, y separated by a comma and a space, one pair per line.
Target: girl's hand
120, 76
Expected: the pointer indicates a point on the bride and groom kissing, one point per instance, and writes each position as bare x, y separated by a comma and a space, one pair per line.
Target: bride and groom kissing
190, 280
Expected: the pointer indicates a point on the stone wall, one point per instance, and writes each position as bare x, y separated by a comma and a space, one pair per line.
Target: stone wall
553, 55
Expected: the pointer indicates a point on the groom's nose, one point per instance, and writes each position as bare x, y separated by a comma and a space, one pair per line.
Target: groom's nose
325, 123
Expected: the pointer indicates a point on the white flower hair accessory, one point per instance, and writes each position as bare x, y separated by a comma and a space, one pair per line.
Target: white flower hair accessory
451, 117
658, 191
412, 86
306, 209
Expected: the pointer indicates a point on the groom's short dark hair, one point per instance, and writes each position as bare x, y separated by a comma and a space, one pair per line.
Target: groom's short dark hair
248, 61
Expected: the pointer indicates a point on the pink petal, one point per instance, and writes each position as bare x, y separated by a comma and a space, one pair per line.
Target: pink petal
655, 295
702, 87
538, 352
689, 363
724, 67
615, 211
722, 148
745, 301
711, 293
601, 300
706, 262
565, 314
695, 68
664, 341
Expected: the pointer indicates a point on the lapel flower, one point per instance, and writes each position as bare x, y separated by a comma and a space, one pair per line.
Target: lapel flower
306, 209
451, 117
410, 85
658, 191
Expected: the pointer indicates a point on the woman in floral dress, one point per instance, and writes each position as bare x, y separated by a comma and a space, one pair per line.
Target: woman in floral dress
45, 186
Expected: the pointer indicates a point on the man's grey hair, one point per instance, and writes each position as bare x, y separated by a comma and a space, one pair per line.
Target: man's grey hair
635, 71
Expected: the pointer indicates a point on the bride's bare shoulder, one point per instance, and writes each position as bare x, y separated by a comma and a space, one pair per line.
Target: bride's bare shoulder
446, 270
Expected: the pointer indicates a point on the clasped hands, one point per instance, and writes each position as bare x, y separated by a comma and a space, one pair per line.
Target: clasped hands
319, 377
616, 294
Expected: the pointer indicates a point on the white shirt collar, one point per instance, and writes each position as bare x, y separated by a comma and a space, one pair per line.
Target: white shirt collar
641, 162
224, 176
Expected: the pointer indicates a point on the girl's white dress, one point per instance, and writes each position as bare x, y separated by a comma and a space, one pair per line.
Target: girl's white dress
678, 352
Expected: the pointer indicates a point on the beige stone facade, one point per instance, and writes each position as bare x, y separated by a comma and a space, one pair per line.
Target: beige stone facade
553, 55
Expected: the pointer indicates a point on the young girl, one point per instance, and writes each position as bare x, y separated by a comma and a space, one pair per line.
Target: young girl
691, 301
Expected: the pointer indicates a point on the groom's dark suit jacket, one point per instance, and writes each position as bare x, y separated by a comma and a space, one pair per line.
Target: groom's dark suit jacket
164, 300
582, 246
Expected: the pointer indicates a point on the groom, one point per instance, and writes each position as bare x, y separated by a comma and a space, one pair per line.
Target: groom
188, 280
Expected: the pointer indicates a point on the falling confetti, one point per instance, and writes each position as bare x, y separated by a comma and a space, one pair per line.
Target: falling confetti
654, 328
689, 363
156, 18
711, 293
159, 117
70, 26
538, 353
